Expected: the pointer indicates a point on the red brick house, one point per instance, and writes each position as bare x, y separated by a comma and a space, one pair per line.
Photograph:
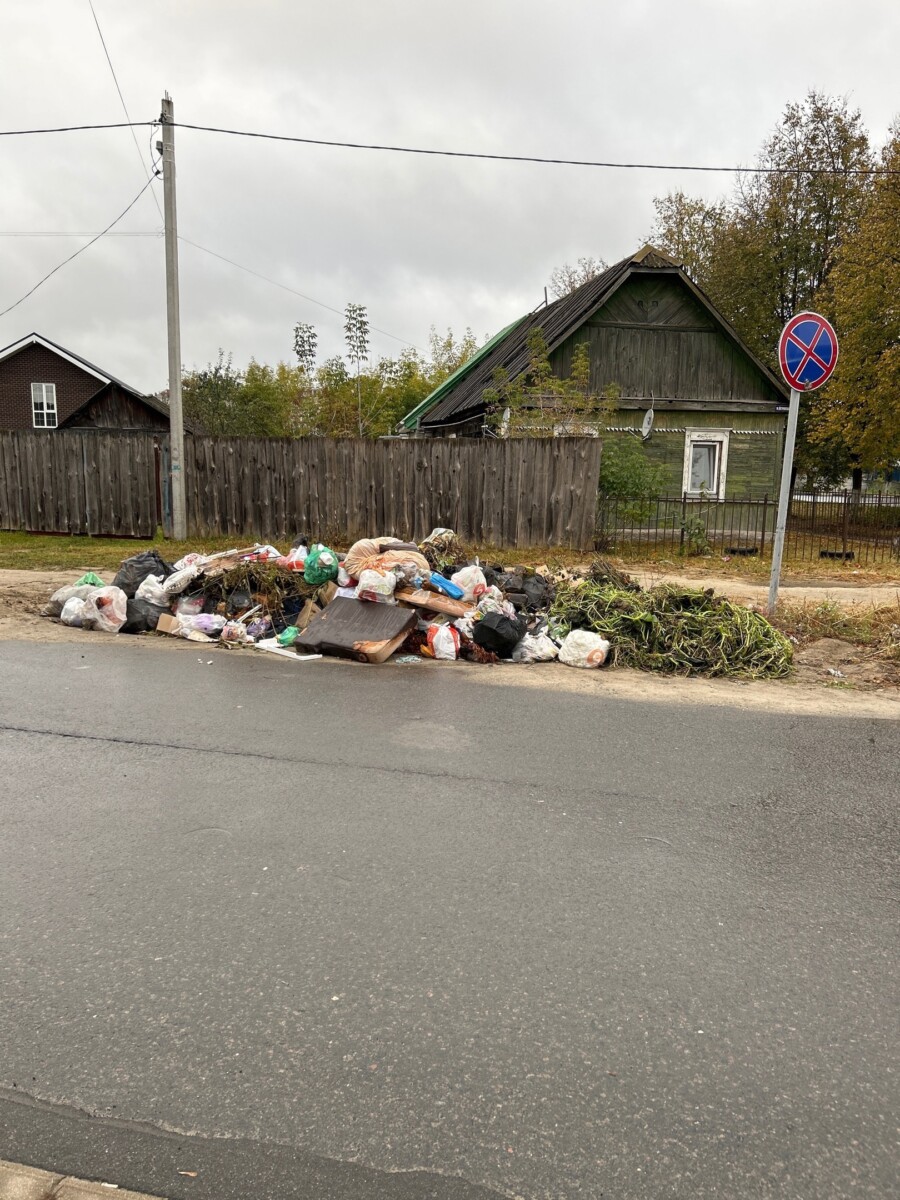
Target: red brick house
45, 387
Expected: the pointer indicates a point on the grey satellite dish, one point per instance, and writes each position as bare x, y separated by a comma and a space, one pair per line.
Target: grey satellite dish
647, 424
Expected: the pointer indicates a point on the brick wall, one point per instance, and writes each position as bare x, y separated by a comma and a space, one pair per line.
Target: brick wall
37, 364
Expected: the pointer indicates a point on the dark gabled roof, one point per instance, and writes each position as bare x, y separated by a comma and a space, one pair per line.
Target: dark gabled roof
460, 397
97, 372
104, 377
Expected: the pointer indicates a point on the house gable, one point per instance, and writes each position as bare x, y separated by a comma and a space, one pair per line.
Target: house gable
85, 395
644, 313
37, 363
657, 338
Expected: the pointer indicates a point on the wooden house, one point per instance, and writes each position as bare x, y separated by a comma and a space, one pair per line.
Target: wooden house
719, 414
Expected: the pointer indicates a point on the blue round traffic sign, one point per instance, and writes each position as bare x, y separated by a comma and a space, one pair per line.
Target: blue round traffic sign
807, 351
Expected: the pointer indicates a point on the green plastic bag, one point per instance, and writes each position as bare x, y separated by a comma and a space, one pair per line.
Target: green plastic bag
321, 566
90, 580
288, 636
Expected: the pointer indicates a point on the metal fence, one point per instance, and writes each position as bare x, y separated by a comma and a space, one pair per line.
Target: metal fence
845, 526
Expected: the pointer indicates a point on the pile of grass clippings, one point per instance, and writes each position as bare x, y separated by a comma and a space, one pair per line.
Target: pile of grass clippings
670, 629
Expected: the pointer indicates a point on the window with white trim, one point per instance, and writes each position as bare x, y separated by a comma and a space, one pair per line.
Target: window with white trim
43, 405
705, 463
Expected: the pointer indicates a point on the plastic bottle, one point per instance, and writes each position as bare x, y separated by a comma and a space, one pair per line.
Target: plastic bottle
440, 584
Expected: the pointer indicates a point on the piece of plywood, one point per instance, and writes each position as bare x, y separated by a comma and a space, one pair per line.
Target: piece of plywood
357, 629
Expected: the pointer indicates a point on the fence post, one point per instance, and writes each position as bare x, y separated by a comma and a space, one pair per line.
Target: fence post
845, 532
762, 539
683, 520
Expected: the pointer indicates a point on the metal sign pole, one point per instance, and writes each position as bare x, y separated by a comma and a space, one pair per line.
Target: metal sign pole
783, 498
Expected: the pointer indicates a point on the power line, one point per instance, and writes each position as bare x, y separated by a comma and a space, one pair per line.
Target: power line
80, 250
73, 233
527, 158
293, 291
75, 128
124, 106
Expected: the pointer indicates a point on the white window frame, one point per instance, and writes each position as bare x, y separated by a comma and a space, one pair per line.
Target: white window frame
44, 394
716, 437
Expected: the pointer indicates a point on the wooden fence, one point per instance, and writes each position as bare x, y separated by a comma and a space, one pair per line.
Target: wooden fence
99, 483
507, 493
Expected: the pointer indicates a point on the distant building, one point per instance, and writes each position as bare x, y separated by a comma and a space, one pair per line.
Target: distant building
43, 386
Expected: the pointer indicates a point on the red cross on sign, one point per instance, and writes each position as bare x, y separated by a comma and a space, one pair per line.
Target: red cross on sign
807, 351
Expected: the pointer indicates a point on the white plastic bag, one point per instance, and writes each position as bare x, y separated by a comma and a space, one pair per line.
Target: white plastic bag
470, 579
177, 582
190, 560
535, 648
151, 590
374, 585
584, 649
72, 612
444, 641
105, 610
54, 606
188, 606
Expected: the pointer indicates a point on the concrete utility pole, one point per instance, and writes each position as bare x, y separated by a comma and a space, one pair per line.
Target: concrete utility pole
176, 419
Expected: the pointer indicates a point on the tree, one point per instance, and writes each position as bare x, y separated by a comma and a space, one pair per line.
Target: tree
211, 397
768, 251
861, 404
306, 342
447, 355
258, 402
566, 279
689, 229
540, 404
356, 331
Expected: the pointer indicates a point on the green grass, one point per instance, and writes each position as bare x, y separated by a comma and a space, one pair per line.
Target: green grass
40, 552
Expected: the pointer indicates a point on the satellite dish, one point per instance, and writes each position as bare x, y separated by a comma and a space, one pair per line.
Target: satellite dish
647, 424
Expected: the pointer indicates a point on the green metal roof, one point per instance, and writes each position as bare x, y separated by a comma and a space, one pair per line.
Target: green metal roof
410, 421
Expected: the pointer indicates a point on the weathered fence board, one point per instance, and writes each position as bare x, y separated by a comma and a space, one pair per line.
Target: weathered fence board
509, 493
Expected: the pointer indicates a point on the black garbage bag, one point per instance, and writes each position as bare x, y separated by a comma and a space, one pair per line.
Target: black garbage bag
135, 570
537, 591
141, 616
499, 633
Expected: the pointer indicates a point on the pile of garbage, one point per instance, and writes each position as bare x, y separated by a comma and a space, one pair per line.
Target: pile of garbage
385, 597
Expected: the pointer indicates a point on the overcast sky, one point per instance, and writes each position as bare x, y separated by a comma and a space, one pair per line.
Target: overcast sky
419, 241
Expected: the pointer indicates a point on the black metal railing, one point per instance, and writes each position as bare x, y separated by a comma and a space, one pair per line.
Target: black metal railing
841, 525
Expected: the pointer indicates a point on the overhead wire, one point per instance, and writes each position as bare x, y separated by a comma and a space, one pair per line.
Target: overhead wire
529, 158
473, 154
80, 250
293, 291
150, 173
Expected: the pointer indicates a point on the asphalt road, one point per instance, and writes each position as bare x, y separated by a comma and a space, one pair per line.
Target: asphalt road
329, 925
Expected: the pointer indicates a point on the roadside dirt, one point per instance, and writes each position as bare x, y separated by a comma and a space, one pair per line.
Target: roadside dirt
866, 685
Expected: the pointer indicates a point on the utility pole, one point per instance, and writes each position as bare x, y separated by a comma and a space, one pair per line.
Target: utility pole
176, 419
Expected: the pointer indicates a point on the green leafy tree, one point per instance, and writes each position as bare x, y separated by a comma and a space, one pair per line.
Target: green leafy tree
861, 404
567, 278
447, 354
768, 251
539, 403
356, 332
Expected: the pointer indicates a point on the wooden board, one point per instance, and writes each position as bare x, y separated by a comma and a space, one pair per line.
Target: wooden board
433, 602
357, 629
